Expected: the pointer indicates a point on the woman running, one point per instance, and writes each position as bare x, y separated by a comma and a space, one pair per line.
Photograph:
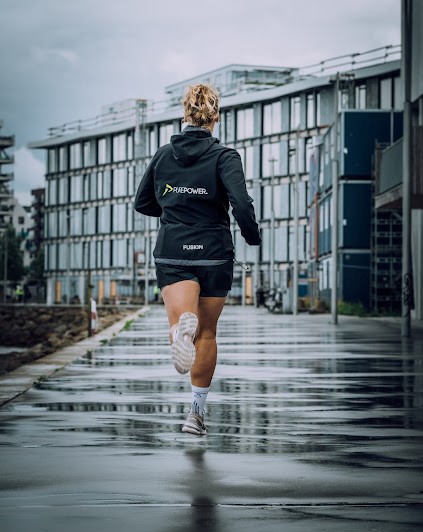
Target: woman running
189, 184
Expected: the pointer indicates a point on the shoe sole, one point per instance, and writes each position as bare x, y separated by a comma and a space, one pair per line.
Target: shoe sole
191, 429
183, 348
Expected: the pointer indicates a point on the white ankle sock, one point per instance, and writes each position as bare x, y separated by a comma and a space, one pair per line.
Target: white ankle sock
199, 396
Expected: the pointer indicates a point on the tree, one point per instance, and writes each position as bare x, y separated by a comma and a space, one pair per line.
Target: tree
15, 266
36, 268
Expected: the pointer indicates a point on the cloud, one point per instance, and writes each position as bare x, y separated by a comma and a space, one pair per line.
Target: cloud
47, 55
29, 174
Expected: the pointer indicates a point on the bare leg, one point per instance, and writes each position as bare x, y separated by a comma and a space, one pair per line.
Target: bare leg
179, 298
209, 310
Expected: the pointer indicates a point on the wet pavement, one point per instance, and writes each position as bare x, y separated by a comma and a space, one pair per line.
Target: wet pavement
311, 427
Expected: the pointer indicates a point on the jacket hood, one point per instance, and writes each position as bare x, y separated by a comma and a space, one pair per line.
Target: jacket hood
191, 144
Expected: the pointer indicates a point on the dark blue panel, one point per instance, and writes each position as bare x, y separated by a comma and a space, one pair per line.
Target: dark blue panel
357, 213
356, 278
398, 126
361, 131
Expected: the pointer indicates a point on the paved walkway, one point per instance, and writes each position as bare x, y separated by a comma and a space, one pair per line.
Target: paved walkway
311, 427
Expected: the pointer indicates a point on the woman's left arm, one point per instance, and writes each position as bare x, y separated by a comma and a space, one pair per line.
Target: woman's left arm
145, 199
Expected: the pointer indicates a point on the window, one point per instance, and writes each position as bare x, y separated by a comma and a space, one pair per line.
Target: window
119, 218
130, 145
152, 141
270, 161
343, 99
318, 108
385, 87
76, 222
63, 159
76, 188
119, 182
75, 156
63, 224
119, 147
131, 180
93, 186
292, 154
272, 114
101, 151
87, 153
21, 220
226, 130
52, 160
104, 219
52, 192
120, 251
165, 132
360, 97
86, 187
244, 123
63, 190
281, 244
311, 116
76, 256
107, 184
398, 93
308, 153
294, 112
247, 159
52, 256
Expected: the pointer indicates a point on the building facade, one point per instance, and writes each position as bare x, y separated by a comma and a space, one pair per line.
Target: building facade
282, 131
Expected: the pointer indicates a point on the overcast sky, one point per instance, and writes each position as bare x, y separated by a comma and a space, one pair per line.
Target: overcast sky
62, 60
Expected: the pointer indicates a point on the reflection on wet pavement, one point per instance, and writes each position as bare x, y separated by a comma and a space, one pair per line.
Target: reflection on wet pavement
290, 394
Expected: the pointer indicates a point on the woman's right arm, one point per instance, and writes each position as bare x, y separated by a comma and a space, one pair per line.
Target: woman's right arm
232, 176
145, 199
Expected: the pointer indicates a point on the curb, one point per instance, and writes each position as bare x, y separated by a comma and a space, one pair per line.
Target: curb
21, 379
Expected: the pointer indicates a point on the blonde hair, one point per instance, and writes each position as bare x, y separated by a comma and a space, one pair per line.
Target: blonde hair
201, 104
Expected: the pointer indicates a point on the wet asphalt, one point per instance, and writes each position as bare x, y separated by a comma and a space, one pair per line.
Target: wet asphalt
312, 427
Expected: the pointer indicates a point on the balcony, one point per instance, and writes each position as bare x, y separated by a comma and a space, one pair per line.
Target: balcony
388, 173
7, 141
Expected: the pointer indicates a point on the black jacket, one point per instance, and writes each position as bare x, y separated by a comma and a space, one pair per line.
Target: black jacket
189, 184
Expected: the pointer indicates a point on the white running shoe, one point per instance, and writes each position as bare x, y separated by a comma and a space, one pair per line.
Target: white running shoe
194, 424
183, 348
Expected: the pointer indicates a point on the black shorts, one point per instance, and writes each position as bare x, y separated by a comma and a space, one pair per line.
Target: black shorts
214, 281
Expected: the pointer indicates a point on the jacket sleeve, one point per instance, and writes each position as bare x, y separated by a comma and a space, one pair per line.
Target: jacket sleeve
145, 199
232, 176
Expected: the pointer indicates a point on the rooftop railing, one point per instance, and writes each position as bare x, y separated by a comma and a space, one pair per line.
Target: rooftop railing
326, 67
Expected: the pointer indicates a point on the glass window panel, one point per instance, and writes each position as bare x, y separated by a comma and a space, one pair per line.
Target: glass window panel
75, 155
272, 118
87, 153
120, 249
152, 141
311, 116
120, 182
99, 253
281, 200
281, 244
101, 151
294, 111
107, 184
62, 256
76, 222
86, 187
119, 217
308, 153
318, 110
93, 255
119, 147
99, 185
106, 253
104, 219
249, 162
93, 186
165, 132
52, 160
76, 188
270, 159
343, 99
130, 145
398, 93
245, 123
63, 190
131, 181
52, 256
52, 192
360, 97
76, 255
62, 159
386, 93
130, 216
265, 245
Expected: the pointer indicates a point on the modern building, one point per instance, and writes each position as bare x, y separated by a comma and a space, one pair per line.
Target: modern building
7, 143
278, 127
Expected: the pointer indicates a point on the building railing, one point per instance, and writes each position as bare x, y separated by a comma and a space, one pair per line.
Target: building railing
326, 67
